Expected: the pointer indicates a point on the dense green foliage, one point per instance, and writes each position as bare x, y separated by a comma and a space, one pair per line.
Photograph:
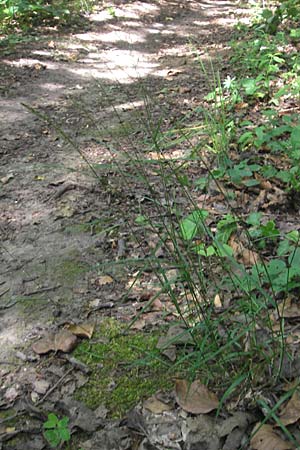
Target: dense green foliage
24, 14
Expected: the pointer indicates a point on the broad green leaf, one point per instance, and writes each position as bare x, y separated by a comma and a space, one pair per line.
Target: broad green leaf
283, 248
293, 236
63, 423
276, 267
269, 230
141, 220
225, 228
65, 434
53, 437
294, 258
193, 224
223, 249
201, 183
251, 182
254, 219
52, 421
295, 138
205, 251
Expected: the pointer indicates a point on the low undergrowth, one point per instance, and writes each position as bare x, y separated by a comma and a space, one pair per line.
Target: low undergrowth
19, 18
216, 215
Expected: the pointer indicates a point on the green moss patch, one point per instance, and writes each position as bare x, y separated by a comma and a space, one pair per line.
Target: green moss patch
125, 368
69, 270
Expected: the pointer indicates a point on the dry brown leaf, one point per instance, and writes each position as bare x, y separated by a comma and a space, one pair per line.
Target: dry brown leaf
289, 309
139, 324
170, 353
291, 413
64, 341
218, 301
103, 280
84, 330
44, 345
156, 406
157, 305
293, 338
195, 397
240, 106
243, 254
266, 438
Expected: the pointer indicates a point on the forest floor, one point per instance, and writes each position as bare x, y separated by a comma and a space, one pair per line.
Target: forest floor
58, 221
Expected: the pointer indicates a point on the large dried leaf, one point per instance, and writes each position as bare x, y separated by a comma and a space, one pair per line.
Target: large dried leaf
84, 330
195, 397
266, 438
156, 406
64, 341
176, 335
244, 255
291, 413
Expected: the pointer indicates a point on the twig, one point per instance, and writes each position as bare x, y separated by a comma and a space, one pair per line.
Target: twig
10, 363
54, 386
77, 364
62, 190
45, 289
9, 305
4, 292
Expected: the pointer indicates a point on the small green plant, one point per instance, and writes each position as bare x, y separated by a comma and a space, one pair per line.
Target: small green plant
111, 11
56, 430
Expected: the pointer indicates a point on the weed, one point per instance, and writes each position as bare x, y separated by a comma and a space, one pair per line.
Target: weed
56, 430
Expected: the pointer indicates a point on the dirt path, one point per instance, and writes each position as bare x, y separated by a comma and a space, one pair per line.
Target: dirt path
48, 197
57, 222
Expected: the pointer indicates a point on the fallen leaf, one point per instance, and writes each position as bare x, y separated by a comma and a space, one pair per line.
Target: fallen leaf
102, 281
217, 301
157, 305
66, 211
293, 338
156, 406
41, 386
6, 179
289, 309
239, 420
176, 335
64, 340
195, 397
266, 438
243, 254
84, 330
170, 353
139, 324
11, 394
291, 413
44, 345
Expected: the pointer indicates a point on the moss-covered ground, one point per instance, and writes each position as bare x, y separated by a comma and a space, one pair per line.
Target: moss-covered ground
125, 365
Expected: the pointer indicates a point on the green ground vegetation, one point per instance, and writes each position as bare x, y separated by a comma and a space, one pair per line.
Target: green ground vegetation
125, 365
